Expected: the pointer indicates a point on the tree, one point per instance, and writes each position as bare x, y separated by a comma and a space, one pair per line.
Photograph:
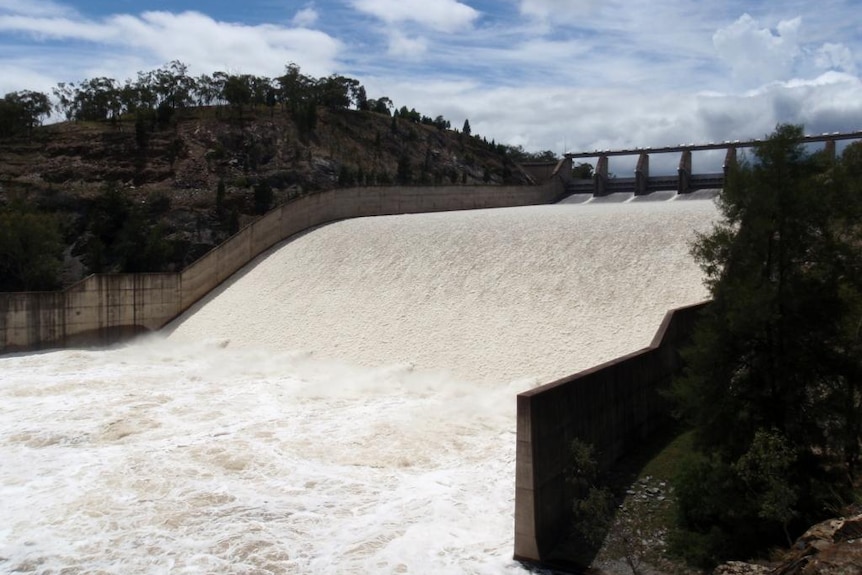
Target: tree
337, 91
362, 102
22, 111
237, 91
173, 86
774, 373
263, 197
31, 250
583, 171
382, 105
404, 171
97, 99
466, 129
121, 237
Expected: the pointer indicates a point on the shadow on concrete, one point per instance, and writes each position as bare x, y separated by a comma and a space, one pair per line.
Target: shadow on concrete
698, 195
175, 323
573, 555
658, 196
576, 199
615, 198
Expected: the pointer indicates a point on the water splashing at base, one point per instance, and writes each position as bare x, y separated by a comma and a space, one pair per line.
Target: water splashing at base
344, 406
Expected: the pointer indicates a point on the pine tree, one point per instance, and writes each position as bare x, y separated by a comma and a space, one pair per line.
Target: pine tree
774, 367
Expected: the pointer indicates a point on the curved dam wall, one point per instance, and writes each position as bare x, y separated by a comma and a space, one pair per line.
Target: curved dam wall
344, 403
502, 300
107, 308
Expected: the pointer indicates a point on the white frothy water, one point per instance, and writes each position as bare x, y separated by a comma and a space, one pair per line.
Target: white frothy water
344, 406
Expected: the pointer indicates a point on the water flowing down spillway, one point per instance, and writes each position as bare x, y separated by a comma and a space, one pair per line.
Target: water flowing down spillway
345, 404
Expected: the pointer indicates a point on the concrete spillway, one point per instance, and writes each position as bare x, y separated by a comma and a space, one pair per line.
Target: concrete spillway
344, 405
490, 295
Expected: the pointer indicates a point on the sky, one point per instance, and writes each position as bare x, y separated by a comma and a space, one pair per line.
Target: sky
559, 75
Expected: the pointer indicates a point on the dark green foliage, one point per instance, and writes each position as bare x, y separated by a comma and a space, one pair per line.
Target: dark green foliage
466, 130
582, 171
305, 117
176, 149
404, 174
22, 111
362, 99
263, 197
411, 115
158, 203
31, 250
121, 236
237, 91
220, 197
345, 177
593, 507
442, 123
233, 222
382, 105
772, 385
143, 128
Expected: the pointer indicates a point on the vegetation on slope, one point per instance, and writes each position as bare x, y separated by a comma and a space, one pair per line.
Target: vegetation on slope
149, 174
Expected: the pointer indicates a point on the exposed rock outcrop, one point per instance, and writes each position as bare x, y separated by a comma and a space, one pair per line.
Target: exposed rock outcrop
833, 547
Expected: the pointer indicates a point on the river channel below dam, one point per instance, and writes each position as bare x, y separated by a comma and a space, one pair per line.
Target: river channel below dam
345, 404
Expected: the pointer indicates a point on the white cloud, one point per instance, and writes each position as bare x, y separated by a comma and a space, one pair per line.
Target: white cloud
441, 15
585, 119
656, 72
41, 8
758, 55
24, 75
402, 46
835, 57
305, 17
194, 38
56, 28
546, 9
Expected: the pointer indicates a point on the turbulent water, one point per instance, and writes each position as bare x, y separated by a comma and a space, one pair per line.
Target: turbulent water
343, 405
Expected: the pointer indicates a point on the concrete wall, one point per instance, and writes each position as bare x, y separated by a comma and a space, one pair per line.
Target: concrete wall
614, 406
99, 310
543, 172
104, 309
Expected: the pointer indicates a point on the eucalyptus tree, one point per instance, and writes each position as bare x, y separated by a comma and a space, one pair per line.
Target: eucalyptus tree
22, 111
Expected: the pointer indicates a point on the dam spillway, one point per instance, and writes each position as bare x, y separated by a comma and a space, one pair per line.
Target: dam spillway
492, 295
344, 404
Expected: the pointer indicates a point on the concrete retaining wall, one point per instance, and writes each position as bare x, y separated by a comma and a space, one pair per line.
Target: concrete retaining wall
104, 309
614, 406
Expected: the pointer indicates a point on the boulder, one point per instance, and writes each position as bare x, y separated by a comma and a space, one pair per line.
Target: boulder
833, 547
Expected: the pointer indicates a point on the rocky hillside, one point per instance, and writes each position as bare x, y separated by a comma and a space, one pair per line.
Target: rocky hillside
188, 182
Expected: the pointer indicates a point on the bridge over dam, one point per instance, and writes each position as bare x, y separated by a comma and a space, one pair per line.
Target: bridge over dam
686, 179
358, 382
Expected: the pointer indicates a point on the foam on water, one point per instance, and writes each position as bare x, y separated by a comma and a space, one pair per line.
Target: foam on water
490, 295
359, 419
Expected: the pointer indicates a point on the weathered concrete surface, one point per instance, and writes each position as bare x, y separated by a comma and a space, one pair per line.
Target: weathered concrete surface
614, 406
104, 309
98, 310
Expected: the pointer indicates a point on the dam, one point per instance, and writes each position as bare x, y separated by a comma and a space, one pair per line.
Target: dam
343, 404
